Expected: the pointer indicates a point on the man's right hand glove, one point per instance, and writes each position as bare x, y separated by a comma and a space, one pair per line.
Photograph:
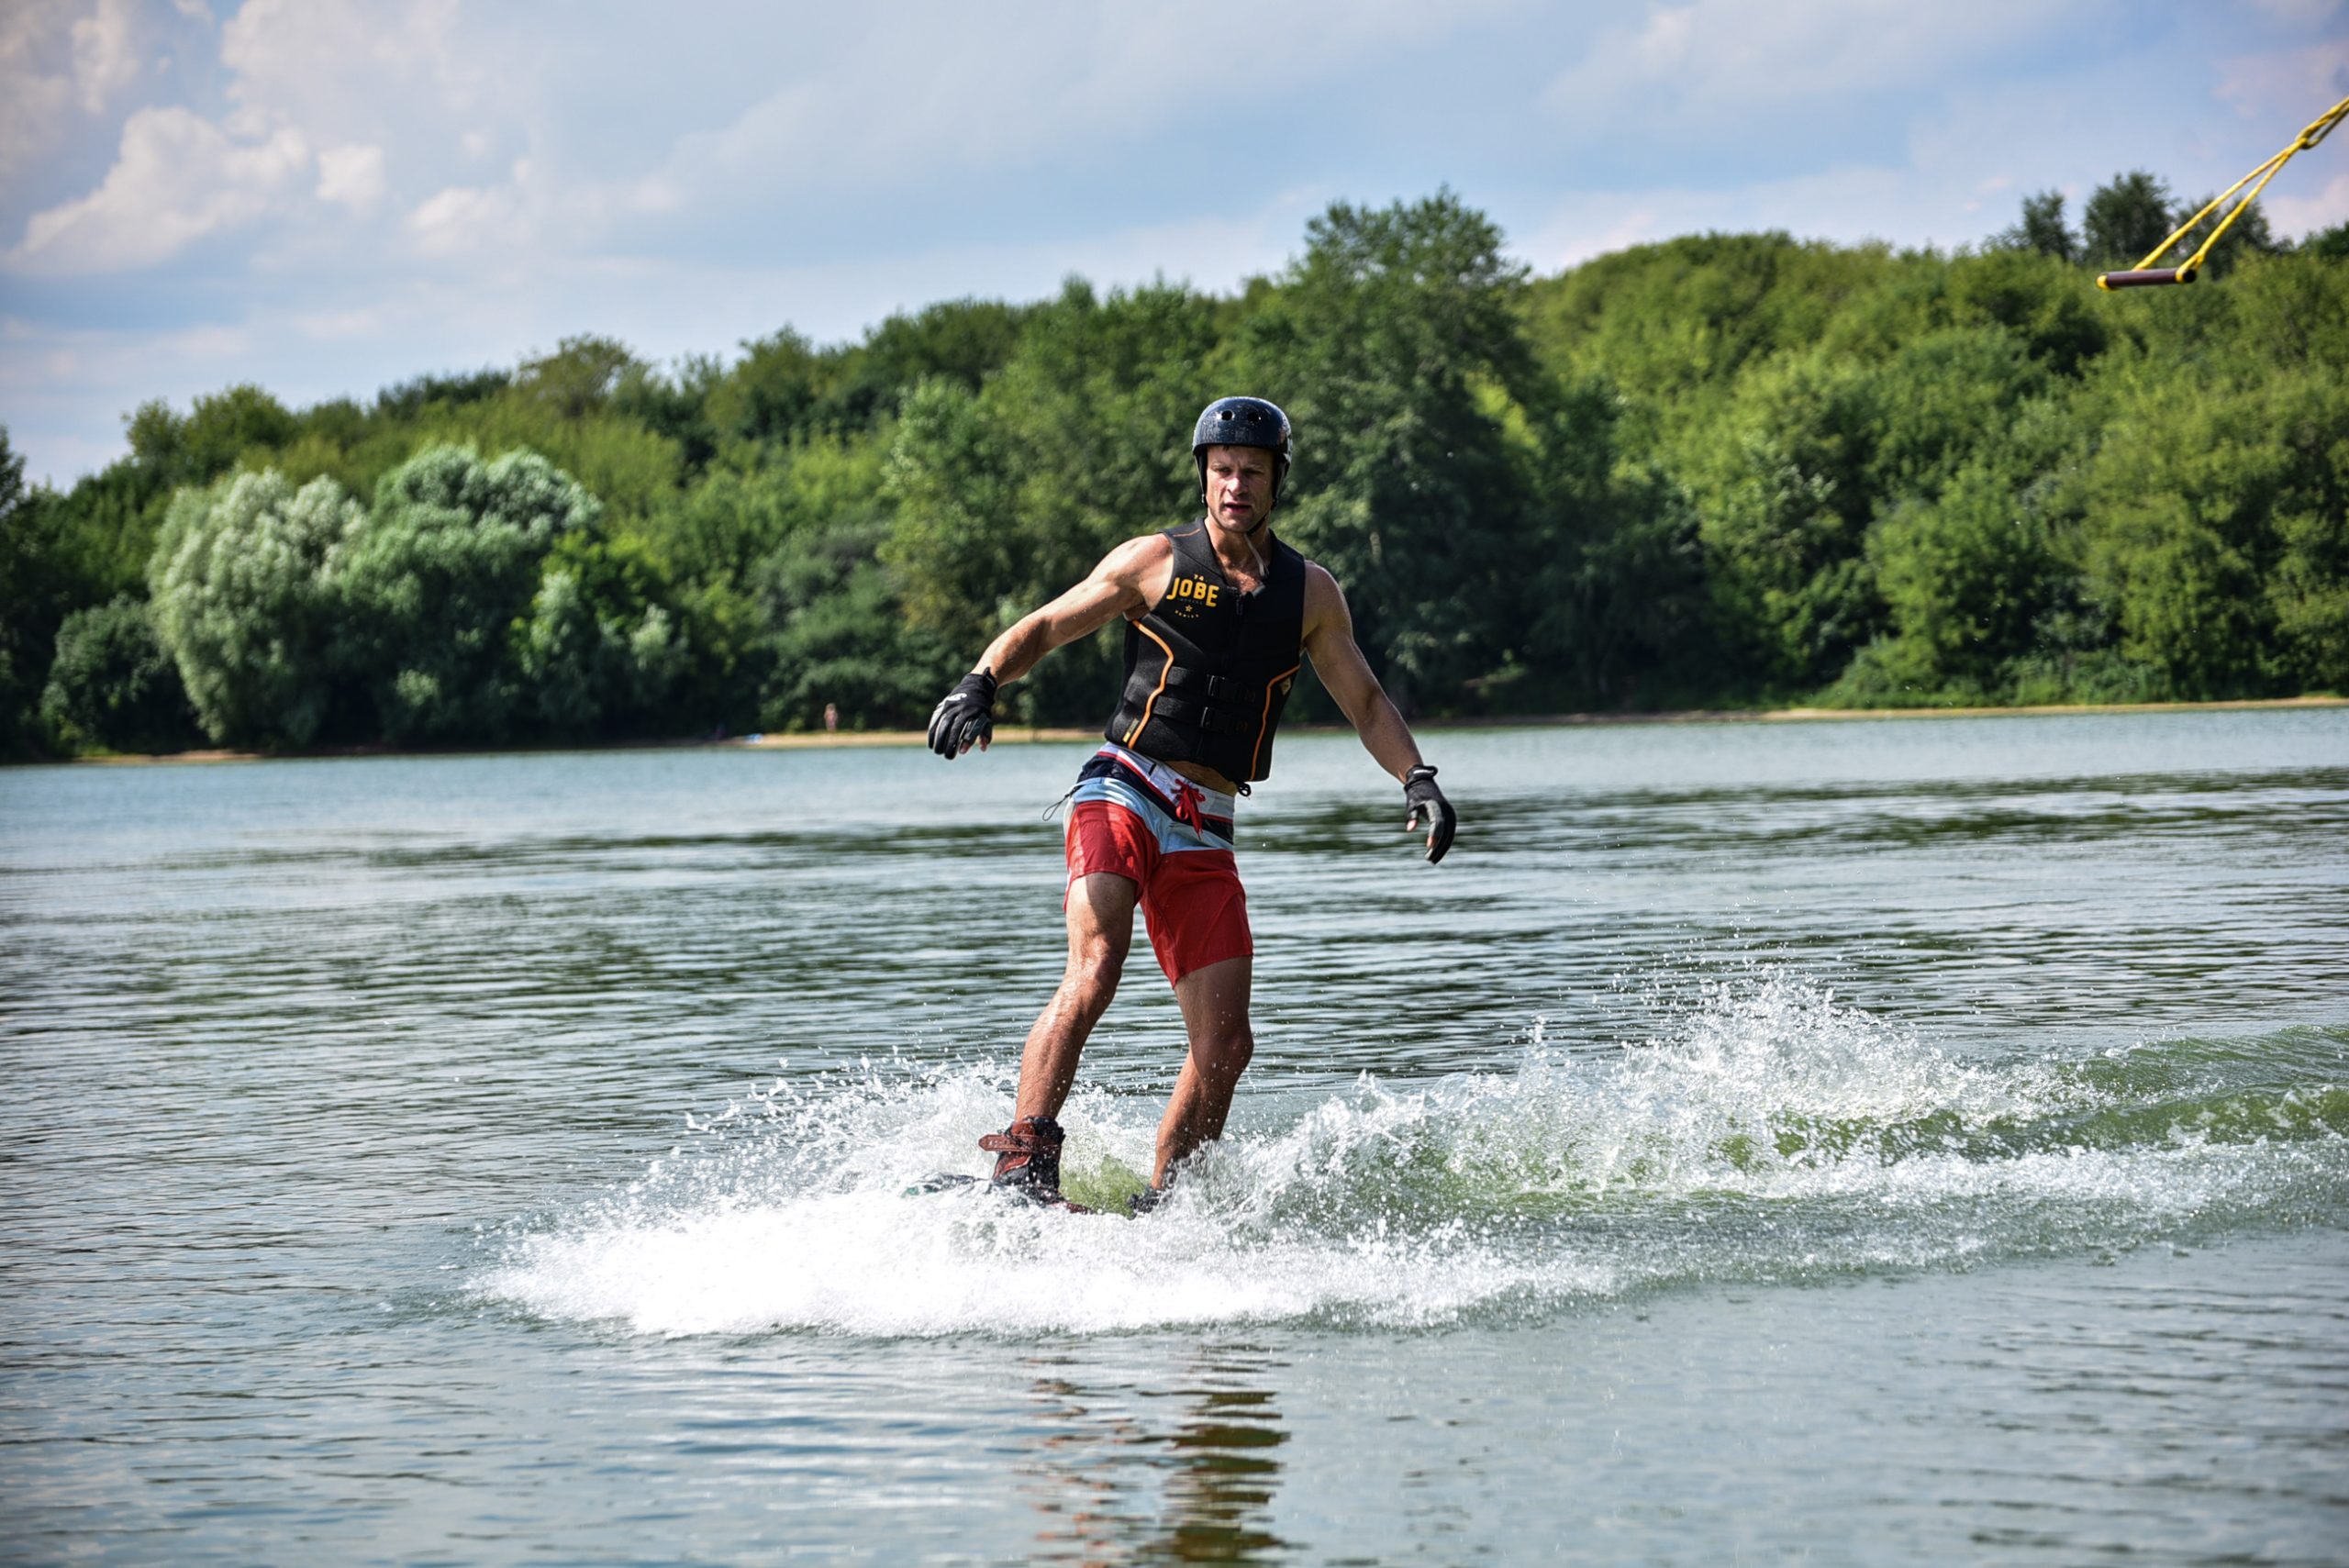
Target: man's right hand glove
966, 717
1428, 802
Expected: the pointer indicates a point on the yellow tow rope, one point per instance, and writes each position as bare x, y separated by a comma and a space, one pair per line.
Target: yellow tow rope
2146, 273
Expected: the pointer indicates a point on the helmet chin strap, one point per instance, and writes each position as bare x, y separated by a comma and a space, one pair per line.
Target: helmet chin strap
1263, 560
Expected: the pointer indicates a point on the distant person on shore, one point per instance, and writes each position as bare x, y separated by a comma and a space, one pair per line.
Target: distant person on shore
1220, 617
831, 718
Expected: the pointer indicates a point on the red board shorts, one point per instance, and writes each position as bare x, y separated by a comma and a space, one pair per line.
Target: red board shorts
1133, 817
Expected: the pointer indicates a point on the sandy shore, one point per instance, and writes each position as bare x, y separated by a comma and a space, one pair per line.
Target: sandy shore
1008, 735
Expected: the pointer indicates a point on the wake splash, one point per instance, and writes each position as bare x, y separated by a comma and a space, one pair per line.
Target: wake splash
1774, 1135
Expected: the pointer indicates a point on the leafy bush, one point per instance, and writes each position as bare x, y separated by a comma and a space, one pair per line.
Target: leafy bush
432, 586
113, 683
243, 599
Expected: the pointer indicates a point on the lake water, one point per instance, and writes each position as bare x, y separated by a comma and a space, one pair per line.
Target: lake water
1851, 1142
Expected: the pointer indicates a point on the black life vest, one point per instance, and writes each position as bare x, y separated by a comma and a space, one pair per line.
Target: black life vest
1209, 670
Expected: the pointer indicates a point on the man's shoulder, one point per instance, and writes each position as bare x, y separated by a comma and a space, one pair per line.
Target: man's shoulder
1159, 543
1325, 602
1137, 555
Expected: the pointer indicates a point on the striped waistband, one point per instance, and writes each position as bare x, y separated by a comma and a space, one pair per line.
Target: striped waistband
1208, 810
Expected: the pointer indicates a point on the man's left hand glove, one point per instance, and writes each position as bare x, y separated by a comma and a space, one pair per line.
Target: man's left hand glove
1428, 804
965, 717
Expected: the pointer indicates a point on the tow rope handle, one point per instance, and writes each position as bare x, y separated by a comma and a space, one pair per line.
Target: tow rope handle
2145, 274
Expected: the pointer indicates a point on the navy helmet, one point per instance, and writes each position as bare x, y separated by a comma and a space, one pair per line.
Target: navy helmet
1242, 422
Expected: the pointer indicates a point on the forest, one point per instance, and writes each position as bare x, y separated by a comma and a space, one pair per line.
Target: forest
1718, 471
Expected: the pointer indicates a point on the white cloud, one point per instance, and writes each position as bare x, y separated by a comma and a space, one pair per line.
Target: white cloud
637, 127
352, 176
341, 69
1714, 59
106, 54
339, 76
979, 96
959, 96
179, 179
465, 218
61, 60
34, 101
2298, 206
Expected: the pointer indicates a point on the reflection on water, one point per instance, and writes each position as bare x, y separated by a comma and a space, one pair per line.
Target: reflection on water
1186, 1474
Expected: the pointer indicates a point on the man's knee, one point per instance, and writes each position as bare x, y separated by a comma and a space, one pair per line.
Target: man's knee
1096, 959
1224, 1051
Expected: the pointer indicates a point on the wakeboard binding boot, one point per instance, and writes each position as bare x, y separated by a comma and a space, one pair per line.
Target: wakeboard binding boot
1150, 1198
1028, 1160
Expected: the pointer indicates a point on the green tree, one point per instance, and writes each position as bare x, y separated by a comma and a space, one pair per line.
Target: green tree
1382, 341
36, 582
1619, 616
632, 470
674, 406
1786, 508
771, 393
111, 519
220, 430
2043, 229
242, 597
1965, 577
1698, 471
1939, 401
1671, 326
2211, 521
952, 543
1093, 414
840, 636
964, 340
599, 652
2050, 311
2125, 218
579, 377
431, 588
114, 684
410, 399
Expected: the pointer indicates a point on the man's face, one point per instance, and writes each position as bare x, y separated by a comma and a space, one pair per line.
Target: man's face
1240, 486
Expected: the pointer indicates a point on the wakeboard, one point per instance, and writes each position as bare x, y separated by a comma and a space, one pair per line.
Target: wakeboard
946, 1183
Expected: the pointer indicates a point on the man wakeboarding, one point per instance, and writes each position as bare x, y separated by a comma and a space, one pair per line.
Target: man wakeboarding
1220, 617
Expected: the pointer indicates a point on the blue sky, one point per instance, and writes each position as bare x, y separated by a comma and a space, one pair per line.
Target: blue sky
326, 197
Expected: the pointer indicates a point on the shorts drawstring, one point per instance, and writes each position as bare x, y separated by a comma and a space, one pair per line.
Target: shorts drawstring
1186, 806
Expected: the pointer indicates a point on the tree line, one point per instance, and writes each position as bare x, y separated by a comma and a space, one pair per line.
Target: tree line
1719, 471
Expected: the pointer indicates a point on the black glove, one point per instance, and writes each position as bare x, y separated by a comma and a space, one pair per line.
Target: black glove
1419, 788
966, 717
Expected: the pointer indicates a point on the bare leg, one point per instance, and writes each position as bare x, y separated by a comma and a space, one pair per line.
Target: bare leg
1100, 930
1215, 1015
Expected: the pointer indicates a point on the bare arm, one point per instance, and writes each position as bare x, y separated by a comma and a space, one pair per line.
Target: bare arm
1329, 643
1117, 586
